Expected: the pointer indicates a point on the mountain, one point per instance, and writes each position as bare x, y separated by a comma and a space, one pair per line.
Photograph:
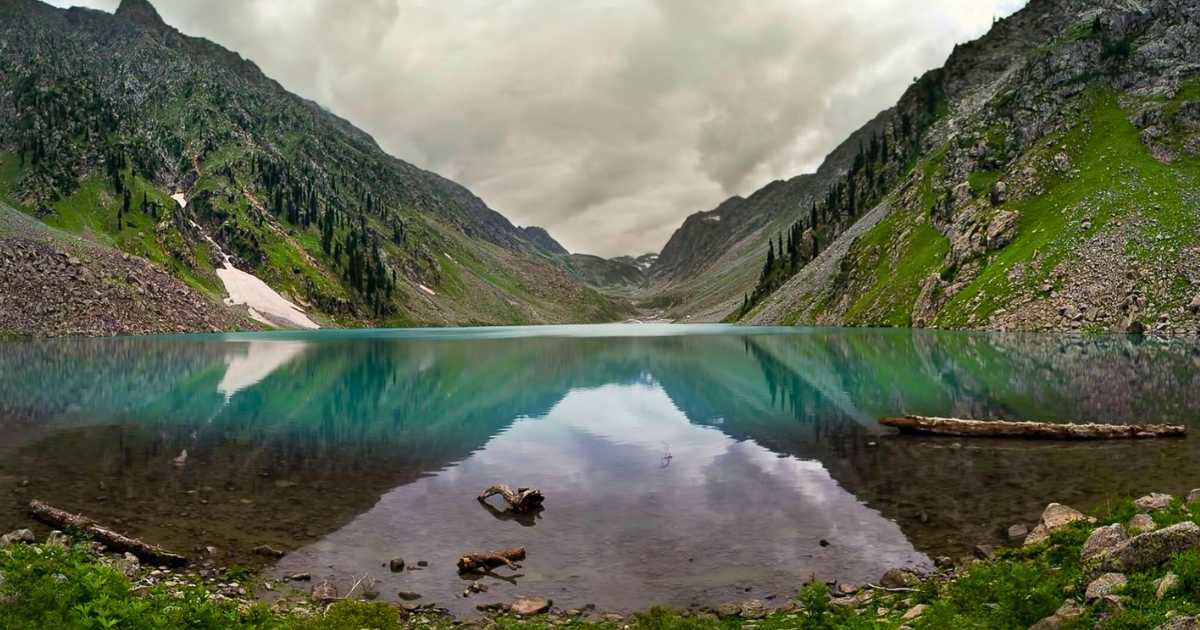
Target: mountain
169, 148
1044, 179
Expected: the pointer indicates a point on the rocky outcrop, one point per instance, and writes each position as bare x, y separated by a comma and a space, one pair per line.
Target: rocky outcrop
1145, 550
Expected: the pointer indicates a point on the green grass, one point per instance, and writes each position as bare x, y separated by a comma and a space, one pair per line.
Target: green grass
897, 256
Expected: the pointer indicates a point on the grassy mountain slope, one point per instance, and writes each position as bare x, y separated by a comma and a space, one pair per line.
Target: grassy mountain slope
1062, 194
103, 117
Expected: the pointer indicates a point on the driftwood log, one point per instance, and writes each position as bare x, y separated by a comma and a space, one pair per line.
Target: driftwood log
1035, 430
116, 541
520, 500
471, 562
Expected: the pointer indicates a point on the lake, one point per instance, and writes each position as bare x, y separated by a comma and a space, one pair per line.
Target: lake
682, 465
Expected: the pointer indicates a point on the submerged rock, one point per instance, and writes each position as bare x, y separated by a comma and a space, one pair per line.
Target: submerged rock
1105, 585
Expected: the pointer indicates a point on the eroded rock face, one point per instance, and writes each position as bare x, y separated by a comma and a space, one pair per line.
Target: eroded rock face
1145, 550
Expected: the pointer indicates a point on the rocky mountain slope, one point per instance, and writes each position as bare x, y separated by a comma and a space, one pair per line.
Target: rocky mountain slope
166, 147
1052, 184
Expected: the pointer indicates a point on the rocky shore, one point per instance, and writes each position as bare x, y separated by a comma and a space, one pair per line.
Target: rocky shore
1138, 565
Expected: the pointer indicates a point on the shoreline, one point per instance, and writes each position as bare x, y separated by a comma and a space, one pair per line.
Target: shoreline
1140, 559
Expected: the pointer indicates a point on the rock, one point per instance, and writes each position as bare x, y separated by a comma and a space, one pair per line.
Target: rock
1065, 614
898, 578
1105, 585
408, 596
1002, 230
529, 606
943, 562
1165, 584
17, 536
1193, 497
984, 552
128, 565
754, 609
58, 539
422, 563
1038, 535
324, 592
1062, 162
1145, 550
914, 612
999, 193
1194, 306
1153, 502
1181, 623
1018, 532
396, 565
1103, 539
1141, 523
1057, 516
729, 610
268, 551
300, 577
845, 588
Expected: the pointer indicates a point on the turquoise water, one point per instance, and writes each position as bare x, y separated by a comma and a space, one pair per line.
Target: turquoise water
681, 464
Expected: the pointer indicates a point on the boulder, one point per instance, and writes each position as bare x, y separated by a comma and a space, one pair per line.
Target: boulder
914, 612
984, 552
396, 565
1153, 502
1065, 614
999, 193
1165, 584
1193, 497
529, 606
1181, 623
754, 609
729, 610
1002, 229
1018, 532
1056, 516
1141, 523
1038, 535
58, 539
1102, 539
898, 578
17, 536
1105, 585
1145, 550
1062, 162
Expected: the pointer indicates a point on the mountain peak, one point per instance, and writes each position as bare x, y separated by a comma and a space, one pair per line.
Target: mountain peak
141, 12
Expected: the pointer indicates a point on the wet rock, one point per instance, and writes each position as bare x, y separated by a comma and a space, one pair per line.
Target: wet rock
1018, 532
324, 592
1105, 585
1141, 523
17, 536
396, 565
1145, 550
1153, 502
1102, 539
898, 578
529, 606
914, 612
408, 596
984, 552
1165, 584
1065, 614
268, 551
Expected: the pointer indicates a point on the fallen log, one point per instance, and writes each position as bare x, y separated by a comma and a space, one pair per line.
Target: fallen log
519, 500
486, 561
146, 552
1033, 430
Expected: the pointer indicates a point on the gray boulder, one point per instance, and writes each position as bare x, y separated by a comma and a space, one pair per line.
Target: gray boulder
1153, 502
1103, 539
1105, 585
1065, 614
1165, 584
1181, 623
1145, 550
17, 536
529, 606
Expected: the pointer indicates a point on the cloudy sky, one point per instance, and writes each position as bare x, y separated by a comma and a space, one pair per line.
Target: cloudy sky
605, 121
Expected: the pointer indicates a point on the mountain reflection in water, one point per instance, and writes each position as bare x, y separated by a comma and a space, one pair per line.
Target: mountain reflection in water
680, 463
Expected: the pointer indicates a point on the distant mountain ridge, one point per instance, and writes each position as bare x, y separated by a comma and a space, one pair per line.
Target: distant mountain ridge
104, 116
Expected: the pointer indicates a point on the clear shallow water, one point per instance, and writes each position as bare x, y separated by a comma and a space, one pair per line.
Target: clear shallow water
682, 464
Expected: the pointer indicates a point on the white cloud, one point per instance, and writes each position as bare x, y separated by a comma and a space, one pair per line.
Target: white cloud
606, 121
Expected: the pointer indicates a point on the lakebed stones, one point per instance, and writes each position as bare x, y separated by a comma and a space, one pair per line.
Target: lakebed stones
529, 606
1145, 550
1102, 539
1153, 502
1105, 585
